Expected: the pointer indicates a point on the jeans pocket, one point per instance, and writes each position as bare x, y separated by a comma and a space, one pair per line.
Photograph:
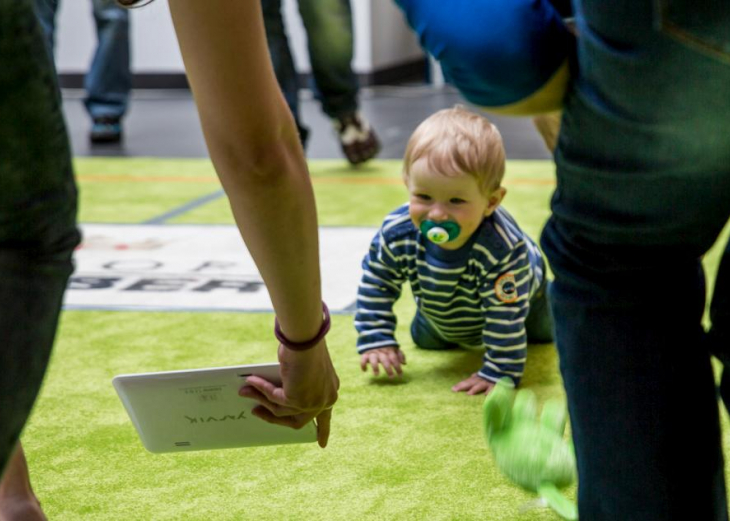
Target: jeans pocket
703, 25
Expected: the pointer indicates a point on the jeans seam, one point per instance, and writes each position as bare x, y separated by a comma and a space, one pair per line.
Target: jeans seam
685, 37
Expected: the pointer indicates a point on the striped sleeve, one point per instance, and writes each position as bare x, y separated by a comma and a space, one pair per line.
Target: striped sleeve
379, 288
505, 304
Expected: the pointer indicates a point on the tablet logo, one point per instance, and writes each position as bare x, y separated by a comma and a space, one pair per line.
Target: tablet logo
211, 419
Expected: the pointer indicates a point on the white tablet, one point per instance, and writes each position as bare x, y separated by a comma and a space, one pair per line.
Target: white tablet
200, 409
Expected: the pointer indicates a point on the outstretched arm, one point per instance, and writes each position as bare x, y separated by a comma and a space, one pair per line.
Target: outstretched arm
255, 149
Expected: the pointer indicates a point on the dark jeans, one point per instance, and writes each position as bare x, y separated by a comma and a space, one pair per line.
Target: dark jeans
328, 24
643, 166
538, 324
109, 79
37, 215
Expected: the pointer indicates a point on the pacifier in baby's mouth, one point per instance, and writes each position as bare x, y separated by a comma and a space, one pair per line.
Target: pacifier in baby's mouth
440, 233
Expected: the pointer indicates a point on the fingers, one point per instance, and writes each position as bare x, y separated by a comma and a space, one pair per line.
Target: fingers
390, 363
490, 386
298, 421
473, 385
293, 421
265, 388
461, 386
268, 395
391, 359
364, 361
323, 427
477, 389
273, 408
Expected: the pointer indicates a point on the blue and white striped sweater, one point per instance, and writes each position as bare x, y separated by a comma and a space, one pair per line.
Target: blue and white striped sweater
456, 291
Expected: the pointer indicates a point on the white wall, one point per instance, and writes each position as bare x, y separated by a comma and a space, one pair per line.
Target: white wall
154, 46
382, 38
391, 40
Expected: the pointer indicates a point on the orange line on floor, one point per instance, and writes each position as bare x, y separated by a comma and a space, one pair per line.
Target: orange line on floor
145, 179
316, 180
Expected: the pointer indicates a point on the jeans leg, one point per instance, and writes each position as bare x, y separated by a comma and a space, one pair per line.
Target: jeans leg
424, 335
539, 321
643, 168
109, 79
640, 393
282, 60
329, 33
37, 214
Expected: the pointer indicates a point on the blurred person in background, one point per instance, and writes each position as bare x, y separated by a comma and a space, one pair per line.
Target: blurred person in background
328, 24
109, 79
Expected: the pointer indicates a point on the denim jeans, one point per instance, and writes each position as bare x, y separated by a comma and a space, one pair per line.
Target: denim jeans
37, 215
328, 24
109, 78
643, 168
538, 324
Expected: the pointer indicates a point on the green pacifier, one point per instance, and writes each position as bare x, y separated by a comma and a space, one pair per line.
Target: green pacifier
440, 233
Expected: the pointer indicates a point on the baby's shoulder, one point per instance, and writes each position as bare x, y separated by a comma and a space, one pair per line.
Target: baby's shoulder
397, 225
500, 235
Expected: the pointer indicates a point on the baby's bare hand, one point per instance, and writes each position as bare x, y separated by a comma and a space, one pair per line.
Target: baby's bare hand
474, 385
391, 358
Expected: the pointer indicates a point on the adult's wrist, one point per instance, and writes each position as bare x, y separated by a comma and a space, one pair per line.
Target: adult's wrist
307, 344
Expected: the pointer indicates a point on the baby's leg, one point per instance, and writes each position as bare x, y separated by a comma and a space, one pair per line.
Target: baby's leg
425, 336
539, 321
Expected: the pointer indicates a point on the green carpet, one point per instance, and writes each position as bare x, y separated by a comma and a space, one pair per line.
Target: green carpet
405, 450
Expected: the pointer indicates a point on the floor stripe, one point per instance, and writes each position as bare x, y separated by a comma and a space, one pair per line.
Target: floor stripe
350, 310
344, 180
120, 178
200, 201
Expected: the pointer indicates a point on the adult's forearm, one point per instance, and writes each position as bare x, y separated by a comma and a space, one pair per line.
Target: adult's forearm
254, 146
274, 208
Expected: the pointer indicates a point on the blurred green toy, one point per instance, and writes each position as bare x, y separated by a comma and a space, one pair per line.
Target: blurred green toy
532, 454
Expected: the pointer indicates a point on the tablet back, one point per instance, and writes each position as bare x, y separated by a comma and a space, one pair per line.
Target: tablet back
200, 409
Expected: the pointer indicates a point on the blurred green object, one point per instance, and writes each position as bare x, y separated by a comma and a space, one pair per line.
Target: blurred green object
531, 453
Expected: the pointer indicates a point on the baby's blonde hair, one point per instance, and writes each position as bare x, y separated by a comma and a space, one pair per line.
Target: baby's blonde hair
455, 142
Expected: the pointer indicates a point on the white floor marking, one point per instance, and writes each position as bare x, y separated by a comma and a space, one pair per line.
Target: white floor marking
196, 267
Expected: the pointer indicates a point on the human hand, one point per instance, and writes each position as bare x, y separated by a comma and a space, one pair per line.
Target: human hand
391, 358
475, 384
308, 391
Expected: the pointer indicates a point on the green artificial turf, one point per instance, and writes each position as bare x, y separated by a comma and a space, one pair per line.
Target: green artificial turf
400, 450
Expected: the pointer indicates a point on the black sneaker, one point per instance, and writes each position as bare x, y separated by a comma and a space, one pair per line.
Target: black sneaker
106, 129
357, 139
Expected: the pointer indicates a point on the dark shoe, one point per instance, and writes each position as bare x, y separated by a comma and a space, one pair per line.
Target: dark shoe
106, 130
358, 140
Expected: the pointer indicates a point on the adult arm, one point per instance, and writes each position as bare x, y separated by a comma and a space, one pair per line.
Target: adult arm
255, 149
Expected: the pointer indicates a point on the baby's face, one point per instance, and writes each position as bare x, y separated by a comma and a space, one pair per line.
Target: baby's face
440, 198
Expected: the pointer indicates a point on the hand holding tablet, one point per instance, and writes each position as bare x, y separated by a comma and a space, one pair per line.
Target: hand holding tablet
201, 409
296, 401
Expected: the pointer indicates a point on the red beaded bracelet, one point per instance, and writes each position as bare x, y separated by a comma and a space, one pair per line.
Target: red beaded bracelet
308, 344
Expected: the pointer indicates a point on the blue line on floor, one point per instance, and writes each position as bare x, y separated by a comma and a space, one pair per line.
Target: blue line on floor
160, 219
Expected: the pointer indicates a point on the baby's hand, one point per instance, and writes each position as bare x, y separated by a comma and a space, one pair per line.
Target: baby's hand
391, 358
474, 385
